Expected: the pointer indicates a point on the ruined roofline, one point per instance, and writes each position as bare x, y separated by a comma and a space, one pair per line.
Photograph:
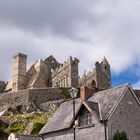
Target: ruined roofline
20, 54
67, 63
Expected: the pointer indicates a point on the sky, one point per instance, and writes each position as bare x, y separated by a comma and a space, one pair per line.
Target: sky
86, 29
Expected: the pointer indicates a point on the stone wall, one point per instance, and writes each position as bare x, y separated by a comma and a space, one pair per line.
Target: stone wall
51, 63
99, 77
39, 96
67, 74
126, 118
95, 132
14, 99
31, 99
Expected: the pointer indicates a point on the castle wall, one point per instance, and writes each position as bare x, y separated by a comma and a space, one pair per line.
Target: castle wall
30, 99
14, 99
66, 75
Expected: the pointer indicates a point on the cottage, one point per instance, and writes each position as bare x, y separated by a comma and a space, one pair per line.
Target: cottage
98, 116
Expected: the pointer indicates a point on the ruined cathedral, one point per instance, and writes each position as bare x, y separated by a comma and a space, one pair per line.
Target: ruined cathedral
51, 73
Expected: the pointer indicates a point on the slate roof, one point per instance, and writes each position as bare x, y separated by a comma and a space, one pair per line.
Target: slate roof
107, 99
102, 103
63, 117
92, 107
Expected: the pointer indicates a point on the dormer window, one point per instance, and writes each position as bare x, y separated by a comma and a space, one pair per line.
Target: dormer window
85, 118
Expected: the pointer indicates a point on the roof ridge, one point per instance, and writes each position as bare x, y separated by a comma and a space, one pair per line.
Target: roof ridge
113, 88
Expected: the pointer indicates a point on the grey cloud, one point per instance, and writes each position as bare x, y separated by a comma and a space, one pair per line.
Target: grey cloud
58, 16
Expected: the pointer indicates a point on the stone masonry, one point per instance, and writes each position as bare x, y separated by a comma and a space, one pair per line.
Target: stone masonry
19, 72
32, 99
50, 73
66, 75
43, 74
126, 118
99, 78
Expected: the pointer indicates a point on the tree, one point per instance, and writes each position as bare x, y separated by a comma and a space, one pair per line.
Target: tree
120, 135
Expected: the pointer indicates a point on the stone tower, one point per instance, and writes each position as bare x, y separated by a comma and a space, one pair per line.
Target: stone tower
74, 72
99, 78
19, 72
103, 74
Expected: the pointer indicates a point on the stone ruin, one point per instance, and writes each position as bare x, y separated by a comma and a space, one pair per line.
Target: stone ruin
47, 82
50, 73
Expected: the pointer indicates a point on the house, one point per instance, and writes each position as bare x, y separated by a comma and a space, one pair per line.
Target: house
98, 116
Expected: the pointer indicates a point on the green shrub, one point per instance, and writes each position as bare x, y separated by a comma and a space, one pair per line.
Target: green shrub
120, 135
37, 126
17, 128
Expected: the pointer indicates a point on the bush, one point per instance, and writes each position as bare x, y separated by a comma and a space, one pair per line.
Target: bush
120, 135
17, 128
37, 126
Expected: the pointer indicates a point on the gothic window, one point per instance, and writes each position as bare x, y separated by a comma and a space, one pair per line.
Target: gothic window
85, 118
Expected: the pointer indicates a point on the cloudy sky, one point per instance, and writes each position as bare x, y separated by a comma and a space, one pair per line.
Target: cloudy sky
86, 29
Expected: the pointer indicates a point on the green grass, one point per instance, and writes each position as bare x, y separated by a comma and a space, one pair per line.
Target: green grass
22, 121
17, 128
25, 117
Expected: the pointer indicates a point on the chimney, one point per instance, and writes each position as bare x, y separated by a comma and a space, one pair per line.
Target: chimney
86, 92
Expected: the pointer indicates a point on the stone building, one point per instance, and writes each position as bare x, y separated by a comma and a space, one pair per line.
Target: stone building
51, 64
50, 73
98, 116
100, 77
67, 74
42, 74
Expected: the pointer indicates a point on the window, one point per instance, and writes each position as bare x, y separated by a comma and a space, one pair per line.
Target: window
85, 118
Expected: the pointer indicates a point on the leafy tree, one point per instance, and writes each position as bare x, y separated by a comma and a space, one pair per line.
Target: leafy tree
120, 135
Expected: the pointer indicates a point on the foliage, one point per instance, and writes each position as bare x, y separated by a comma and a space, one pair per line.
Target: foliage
66, 94
18, 122
37, 126
17, 128
24, 117
120, 135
